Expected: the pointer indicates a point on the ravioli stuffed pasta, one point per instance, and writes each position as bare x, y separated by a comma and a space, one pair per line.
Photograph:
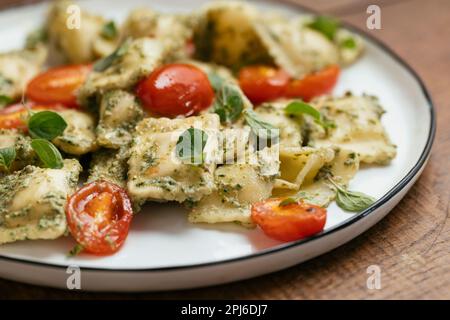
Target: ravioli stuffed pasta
226, 111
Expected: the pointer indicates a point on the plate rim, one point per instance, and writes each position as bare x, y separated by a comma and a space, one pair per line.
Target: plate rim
421, 162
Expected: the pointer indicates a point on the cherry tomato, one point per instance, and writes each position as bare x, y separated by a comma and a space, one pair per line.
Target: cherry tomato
13, 117
58, 85
289, 222
99, 216
176, 89
314, 85
262, 83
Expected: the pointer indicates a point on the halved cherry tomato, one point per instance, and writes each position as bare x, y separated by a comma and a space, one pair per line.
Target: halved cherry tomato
314, 84
263, 83
13, 117
99, 216
58, 85
290, 222
176, 89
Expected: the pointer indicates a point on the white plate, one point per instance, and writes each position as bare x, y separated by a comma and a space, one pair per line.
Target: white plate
164, 251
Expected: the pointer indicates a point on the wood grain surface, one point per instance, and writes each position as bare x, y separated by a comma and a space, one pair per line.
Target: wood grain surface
412, 244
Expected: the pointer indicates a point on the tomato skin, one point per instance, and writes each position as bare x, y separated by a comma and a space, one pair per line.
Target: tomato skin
176, 89
290, 222
14, 116
99, 216
314, 84
263, 83
58, 85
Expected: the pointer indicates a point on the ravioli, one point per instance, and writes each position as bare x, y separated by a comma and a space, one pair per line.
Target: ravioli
119, 113
358, 128
109, 165
290, 127
76, 40
174, 30
79, 136
139, 58
238, 186
25, 155
154, 172
17, 68
32, 202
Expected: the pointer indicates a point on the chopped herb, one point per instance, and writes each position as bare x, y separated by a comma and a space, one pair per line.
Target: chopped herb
76, 250
351, 200
35, 37
325, 25
288, 201
47, 153
7, 156
261, 129
190, 145
106, 62
5, 100
348, 43
109, 30
46, 125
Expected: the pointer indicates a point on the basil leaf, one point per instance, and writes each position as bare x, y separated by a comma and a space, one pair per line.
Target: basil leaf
7, 156
47, 153
287, 201
325, 25
228, 104
46, 125
190, 145
352, 201
216, 81
261, 129
109, 30
106, 62
297, 108
348, 43
5, 100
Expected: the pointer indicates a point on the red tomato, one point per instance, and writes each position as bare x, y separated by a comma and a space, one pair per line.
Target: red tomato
13, 117
58, 85
290, 222
99, 216
262, 83
314, 84
176, 89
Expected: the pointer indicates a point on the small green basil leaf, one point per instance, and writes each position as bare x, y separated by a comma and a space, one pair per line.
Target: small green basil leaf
46, 125
297, 108
261, 129
109, 30
325, 25
352, 201
106, 62
47, 153
5, 100
190, 145
228, 104
7, 156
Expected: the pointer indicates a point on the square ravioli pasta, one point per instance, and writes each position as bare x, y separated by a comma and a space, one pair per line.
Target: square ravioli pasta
32, 202
155, 173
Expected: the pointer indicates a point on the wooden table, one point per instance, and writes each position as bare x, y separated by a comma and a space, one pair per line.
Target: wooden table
412, 244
